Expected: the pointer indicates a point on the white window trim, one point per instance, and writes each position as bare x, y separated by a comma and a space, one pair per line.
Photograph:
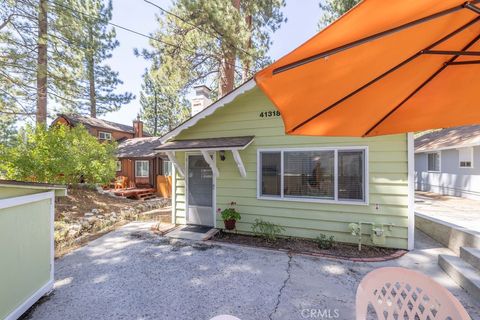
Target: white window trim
136, 173
109, 134
439, 161
471, 158
282, 197
118, 167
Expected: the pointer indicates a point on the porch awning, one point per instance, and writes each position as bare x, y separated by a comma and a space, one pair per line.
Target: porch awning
384, 67
205, 146
212, 144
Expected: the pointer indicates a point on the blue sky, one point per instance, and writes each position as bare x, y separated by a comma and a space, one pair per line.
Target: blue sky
302, 15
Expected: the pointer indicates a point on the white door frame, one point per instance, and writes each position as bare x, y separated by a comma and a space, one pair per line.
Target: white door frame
214, 186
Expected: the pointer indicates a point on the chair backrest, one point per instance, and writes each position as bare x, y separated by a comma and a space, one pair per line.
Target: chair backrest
399, 293
224, 317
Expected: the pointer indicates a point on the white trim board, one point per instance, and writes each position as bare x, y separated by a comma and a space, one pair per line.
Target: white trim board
411, 190
245, 87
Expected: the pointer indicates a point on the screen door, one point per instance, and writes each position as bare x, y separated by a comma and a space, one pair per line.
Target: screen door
200, 192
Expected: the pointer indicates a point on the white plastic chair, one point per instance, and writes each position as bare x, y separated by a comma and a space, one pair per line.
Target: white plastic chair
399, 293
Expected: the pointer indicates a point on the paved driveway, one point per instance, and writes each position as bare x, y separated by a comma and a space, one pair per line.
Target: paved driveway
130, 274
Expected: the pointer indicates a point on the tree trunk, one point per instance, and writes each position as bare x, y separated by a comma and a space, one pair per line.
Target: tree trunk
227, 65
246, 65
91, 79
155, 121
42, 55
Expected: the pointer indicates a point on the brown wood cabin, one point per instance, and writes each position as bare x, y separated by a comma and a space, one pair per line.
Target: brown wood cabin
136, 157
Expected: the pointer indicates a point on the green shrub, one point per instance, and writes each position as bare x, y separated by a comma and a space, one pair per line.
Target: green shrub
325, 242
267, 230
58, 155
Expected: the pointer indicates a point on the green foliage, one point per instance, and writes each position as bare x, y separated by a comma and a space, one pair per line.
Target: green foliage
230, 213
202, 38
325, 242
267, 230
8, 131
58, 155
79, 42
333, 9
92, 33
19, 67
163, 106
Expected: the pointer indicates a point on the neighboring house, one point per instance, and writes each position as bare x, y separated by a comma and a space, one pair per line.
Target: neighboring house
103, 129
447, 162
236, 149
138, 161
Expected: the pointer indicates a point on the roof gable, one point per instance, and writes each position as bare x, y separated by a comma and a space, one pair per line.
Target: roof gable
223, 101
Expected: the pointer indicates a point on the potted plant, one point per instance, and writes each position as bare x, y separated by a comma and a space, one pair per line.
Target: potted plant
229, 216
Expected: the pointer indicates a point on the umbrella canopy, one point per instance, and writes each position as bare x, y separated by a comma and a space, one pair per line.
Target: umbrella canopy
384, 67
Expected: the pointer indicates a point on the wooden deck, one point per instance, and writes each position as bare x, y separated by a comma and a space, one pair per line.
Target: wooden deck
136, 193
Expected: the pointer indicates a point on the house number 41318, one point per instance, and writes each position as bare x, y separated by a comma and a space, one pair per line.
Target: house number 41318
268, 114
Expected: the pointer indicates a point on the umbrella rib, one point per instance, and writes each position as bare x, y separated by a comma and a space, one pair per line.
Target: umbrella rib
367, 39
445, 65
452, 53
398, 66
458, 63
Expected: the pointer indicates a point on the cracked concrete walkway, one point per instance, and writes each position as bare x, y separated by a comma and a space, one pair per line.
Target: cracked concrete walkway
130, 274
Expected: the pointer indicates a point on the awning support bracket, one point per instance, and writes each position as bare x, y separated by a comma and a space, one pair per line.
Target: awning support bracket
174, 160
210, 162
239, 162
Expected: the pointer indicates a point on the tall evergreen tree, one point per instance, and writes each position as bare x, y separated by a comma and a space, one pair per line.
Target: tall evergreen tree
333, 9
206, 39
92, 32
36, 64
163, 107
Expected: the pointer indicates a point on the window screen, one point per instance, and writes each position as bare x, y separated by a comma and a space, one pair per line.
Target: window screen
351, 172
433, 161
309, 174
270, 173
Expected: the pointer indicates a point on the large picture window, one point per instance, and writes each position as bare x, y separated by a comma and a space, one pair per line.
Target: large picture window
141, 168
330, 175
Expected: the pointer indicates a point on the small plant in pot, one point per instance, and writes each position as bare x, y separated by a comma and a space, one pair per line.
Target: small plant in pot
229, 216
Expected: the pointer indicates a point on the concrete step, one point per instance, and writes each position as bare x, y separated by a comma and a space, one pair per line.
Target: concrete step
462, 273
471, 255
450, 235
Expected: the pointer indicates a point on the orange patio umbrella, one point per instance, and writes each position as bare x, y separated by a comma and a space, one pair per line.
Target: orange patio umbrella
385, 67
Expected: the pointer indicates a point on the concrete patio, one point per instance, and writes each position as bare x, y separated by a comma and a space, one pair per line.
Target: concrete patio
462, 212
132, 274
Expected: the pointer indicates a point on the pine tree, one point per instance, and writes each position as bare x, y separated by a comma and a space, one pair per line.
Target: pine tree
207, 39
98, 40
163, 107
8, 131
36, 64
333, 9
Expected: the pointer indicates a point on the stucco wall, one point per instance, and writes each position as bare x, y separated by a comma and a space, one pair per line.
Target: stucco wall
451, 180
388, 185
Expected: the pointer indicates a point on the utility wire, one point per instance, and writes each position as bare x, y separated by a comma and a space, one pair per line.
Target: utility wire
198, 27
136, 32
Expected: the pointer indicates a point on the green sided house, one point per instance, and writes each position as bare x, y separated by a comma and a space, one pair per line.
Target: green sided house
236, 150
